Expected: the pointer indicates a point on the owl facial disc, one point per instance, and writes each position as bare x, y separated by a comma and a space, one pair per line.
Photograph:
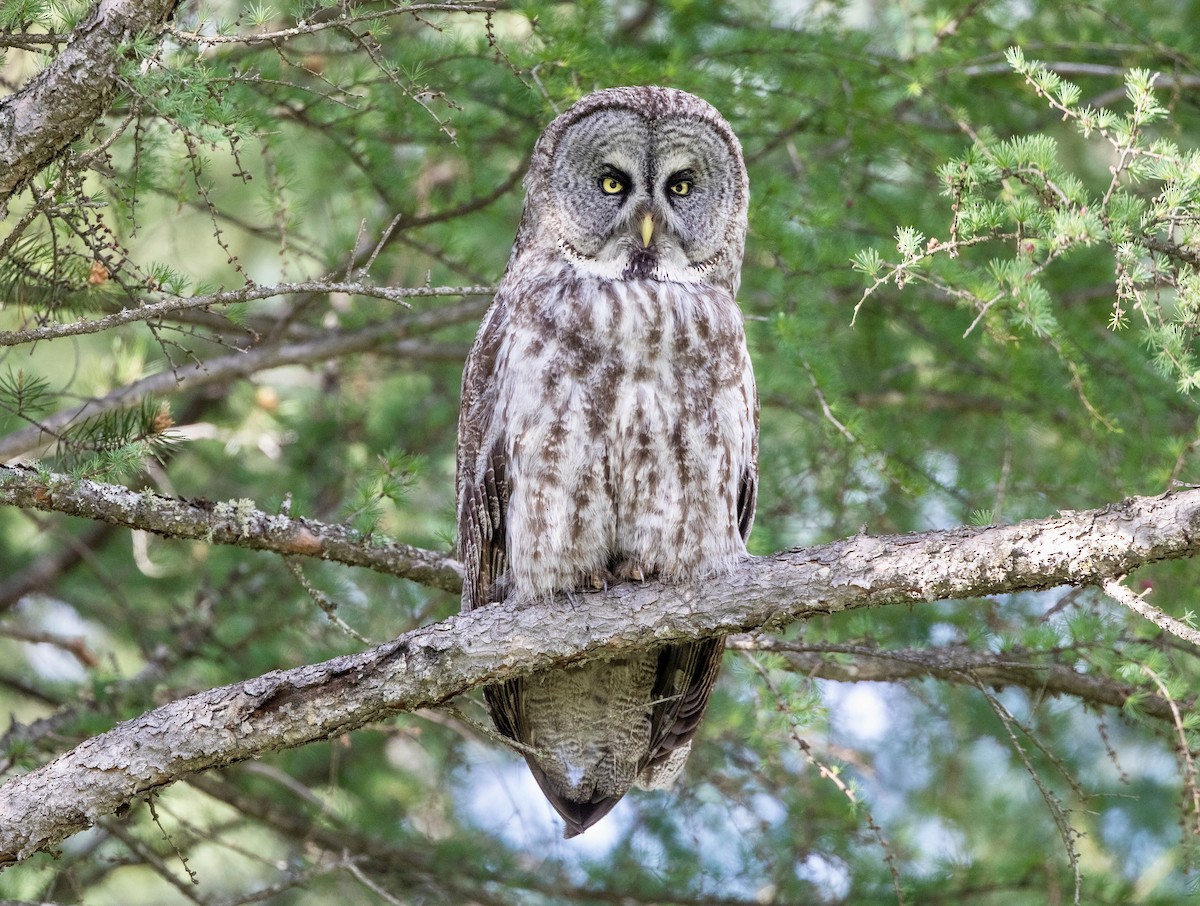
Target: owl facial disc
632, 190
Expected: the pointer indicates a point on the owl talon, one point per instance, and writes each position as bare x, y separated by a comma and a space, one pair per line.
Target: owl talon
630, 570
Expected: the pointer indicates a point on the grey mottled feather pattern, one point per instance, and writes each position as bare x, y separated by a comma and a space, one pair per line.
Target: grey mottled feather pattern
609, 425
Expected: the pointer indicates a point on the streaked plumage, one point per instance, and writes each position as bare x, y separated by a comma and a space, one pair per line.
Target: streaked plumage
609, 425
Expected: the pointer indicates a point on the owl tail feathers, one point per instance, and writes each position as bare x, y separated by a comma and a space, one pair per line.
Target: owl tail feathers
579, 816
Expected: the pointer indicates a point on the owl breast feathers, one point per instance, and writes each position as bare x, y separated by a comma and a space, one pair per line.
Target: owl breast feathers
609, 426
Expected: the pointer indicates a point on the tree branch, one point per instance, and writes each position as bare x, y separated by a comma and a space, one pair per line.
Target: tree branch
288, 708
41, 120
1134, 602
320, 23
395, 336
153, 311
234, 522
956, 664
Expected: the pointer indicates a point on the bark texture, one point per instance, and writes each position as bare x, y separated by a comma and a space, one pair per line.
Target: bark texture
55, 107
430, 665
234, 522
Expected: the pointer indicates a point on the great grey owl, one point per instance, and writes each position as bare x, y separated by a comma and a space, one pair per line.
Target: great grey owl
609, 426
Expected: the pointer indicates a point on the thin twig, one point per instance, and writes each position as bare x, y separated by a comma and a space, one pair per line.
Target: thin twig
326, 603
366, 882
248, 293
1124, 595
1191, 777
235, 522
396, 337
831, 775
307, 28
828, 412
1066, 830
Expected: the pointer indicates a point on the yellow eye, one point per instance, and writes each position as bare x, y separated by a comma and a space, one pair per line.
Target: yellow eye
610, 185
681, 187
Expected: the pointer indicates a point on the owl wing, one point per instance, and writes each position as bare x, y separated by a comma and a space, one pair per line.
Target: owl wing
482, 491
687, 673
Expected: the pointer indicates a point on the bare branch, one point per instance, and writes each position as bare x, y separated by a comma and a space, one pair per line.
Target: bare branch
425, 667
250, 293
393, 336
956, 664
1140, 606
235, 522
317, 24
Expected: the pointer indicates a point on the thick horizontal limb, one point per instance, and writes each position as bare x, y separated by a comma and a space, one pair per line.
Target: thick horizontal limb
432, 664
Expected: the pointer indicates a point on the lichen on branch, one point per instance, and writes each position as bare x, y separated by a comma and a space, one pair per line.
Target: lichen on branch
434, 663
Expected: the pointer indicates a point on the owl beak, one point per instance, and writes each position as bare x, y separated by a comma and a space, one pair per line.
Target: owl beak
647, 230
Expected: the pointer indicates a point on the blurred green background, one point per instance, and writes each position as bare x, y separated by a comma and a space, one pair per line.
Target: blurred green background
1026, 347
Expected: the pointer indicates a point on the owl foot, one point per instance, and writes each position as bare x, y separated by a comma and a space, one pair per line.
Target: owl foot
599, 580
618, 572
630, 570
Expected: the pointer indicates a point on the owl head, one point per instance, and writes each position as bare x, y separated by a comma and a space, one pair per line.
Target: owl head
639, 183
